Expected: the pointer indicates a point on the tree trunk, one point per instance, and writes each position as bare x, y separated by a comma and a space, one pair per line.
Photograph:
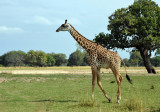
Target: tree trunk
146, 60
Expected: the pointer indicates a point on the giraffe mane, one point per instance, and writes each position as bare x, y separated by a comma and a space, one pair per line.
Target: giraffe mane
81, 35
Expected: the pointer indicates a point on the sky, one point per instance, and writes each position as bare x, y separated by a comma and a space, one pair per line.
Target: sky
32, 24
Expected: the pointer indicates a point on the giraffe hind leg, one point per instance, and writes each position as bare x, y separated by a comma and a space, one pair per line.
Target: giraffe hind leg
119, 81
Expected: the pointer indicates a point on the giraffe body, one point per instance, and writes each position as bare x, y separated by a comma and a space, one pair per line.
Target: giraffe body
107, 59
99, 57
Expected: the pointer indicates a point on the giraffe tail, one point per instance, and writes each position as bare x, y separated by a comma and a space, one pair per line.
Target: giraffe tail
127, 76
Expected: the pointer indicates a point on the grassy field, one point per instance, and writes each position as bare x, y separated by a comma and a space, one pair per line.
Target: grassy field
71, 93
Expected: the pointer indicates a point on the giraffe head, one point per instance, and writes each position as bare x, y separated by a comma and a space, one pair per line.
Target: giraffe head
64, 27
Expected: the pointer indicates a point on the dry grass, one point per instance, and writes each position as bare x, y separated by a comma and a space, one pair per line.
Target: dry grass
134, 104
69, 70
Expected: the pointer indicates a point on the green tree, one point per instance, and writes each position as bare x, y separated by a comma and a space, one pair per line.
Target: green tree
156, 61
85, 59
1, 61
135, 59
126, 61
137, 26
157, 52
60, 59
14, 58
76, 58
41, 58
37, 58
50, 60
32, 58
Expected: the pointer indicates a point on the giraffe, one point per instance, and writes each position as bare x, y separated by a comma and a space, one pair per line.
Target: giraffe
99, 57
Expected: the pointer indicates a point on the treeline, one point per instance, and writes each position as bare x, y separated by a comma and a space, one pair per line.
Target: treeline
32, 58
77, 58
42, 59
136, 59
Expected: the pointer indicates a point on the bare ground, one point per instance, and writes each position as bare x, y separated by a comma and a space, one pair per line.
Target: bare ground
71, 70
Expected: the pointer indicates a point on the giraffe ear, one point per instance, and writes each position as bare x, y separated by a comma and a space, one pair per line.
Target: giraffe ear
66, 21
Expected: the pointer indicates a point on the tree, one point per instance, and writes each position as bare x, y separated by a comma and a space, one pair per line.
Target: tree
1, 61
60, 59
41, 58
85, 59
50, 60
137, 26
126, 61
14, 58
157, 52
156, 61
36, 58
135, 59
32, 58
76, 58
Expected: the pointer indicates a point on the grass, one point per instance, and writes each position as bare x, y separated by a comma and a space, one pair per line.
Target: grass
71, 93
134, 104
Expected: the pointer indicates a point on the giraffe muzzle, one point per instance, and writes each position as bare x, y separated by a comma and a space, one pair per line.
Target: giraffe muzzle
57, 30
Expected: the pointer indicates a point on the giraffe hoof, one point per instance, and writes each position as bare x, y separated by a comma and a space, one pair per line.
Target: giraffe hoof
109, 100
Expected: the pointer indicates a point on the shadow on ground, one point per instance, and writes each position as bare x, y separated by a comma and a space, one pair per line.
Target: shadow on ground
60, 101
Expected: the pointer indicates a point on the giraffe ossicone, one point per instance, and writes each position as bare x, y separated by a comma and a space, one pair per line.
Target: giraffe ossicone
99, 57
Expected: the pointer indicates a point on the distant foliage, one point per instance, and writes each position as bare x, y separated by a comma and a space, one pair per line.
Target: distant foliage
136, 59
157, 52
32, 58
50, 60
37, 58
60, 59
13, 58
78, 58
156, 61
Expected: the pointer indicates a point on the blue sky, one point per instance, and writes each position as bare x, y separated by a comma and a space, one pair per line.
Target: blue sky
32, 24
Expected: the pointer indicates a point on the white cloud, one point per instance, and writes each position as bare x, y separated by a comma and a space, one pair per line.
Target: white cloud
10, 30
40, 20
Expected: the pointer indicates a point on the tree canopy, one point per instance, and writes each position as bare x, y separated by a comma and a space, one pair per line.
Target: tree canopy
137, 26
78, 58
13, 58
60, 59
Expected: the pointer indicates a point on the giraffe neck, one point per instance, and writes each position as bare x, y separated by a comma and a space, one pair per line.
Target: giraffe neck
84, 42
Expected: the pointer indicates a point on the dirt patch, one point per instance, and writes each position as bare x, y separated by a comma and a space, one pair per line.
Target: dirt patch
72, 70
6, 79
26, 79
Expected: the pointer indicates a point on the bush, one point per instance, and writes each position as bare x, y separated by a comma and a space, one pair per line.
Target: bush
134, 104
14, 58
1, 65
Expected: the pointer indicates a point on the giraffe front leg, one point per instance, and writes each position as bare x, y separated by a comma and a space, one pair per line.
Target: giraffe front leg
93, 80
99, 84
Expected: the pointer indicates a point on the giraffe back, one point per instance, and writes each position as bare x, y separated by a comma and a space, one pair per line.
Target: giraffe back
107, 58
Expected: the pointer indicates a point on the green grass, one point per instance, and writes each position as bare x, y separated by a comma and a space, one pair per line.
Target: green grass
71, 93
